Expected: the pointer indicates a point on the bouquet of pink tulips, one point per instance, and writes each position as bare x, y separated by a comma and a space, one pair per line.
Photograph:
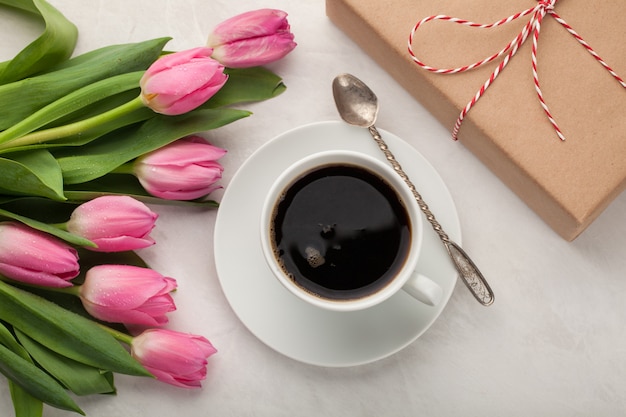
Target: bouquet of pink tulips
85, 142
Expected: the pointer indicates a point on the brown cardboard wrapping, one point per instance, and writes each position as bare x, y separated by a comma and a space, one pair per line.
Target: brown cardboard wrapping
567, 183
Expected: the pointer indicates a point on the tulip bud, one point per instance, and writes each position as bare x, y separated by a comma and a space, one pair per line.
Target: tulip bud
114, 223
183, 170
253, 38
127, 294
175, 358
33, 257
181, 81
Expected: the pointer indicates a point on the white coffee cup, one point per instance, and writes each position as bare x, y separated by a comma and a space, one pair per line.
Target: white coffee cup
407, 277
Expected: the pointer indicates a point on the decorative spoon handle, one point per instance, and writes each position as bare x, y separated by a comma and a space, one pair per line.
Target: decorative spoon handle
471, 275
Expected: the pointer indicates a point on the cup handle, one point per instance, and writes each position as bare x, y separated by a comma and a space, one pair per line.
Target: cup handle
423, 289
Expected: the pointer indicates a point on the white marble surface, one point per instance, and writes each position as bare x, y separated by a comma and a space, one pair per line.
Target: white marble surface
553, 344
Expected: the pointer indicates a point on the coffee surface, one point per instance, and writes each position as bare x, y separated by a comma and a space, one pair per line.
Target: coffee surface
341, 232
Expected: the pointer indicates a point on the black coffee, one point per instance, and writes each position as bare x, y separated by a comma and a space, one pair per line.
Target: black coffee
341, 232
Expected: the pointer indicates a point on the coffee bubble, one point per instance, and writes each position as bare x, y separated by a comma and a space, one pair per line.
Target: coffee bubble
313, 257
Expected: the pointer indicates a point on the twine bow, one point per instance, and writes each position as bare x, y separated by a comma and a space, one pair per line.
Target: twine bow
538, 12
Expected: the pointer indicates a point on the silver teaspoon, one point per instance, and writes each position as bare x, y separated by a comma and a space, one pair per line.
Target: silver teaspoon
358, 105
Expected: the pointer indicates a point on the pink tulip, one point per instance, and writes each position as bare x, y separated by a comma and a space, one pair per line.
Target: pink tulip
253, 38
33, 257
175, 358
127, 294
180, 82
114, 223
183, 170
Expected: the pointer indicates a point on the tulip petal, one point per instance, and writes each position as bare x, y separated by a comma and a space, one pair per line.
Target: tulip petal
183, 170
127, 294
256, 51
34, 257
121, 243
138, 317
34, 277
114, 223
172, 380
169, 61
194, 150
251, 24
175, 358
253, 38
182, 81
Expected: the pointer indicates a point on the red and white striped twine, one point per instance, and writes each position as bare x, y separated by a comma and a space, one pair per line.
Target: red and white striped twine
533, 26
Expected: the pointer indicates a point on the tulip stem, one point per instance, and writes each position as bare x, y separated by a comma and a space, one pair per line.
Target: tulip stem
75, 128
127, 168
60, 226
72, 290
120, 336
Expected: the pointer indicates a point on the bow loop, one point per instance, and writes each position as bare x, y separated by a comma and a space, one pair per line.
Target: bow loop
533, 26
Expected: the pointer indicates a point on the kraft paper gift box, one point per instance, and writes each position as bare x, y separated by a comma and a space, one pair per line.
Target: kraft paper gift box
567, 183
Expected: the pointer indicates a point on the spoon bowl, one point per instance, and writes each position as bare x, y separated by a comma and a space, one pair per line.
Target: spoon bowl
358, 105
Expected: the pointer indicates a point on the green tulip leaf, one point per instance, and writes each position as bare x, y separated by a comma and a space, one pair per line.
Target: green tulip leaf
74, 101
73, 74
110, 151
77, 377
8, 340
37, 209
47, 228
24, 404
55, 44
31, 173
40, 209
89, 259
65, 332
35, 381
247, 85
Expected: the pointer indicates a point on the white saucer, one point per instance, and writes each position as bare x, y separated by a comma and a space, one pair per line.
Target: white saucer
284, 322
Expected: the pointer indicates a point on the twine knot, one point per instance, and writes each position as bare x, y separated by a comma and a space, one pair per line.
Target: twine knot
547, 4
